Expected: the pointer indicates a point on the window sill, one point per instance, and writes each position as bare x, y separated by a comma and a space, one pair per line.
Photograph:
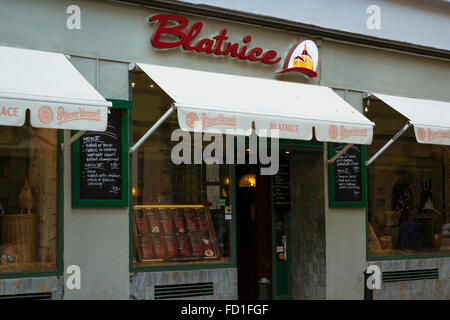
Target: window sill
182, 267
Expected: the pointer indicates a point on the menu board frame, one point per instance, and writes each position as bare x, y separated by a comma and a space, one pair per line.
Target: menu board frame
333, 202
77, 200
148, 233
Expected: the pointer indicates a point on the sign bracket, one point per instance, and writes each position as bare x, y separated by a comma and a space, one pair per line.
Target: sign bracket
340, 153
72, 139
397, 135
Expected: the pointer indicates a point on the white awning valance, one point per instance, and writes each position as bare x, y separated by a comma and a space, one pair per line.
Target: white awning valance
48, 85
230, 104
430, 118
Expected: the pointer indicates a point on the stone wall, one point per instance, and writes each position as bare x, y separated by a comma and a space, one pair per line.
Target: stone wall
307, 227
142, 284
417, 289
23, 286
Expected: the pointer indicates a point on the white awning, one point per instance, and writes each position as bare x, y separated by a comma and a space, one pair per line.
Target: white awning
430, 118
52, 89
230, 104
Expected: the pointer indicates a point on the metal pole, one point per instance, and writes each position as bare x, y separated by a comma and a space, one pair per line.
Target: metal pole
397, 135
264, 289
152, 129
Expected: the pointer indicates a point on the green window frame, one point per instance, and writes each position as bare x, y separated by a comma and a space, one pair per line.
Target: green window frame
175, 267
77, 202
182, 267
59, 271
392, 257
389, 258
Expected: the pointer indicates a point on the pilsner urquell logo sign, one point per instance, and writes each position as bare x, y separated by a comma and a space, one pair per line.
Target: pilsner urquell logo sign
176, 28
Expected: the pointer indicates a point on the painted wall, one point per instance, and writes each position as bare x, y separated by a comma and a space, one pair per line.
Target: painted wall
96, 239
416, 21
120, 32
372, 70
345, 237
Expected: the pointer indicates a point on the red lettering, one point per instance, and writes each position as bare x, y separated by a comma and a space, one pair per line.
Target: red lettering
191, 35
220, 38
268, 57
252, 55
205, 45
9, 111
233, 48
174, 24
175, 30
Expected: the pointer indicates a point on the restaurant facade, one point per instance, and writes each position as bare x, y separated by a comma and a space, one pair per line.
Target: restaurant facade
137, 146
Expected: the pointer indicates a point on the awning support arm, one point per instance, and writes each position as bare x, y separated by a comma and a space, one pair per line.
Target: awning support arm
152, 129
341, 152
397, 135
72, 139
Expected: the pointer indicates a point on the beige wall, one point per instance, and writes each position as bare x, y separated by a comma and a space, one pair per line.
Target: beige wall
345, 230
96, 239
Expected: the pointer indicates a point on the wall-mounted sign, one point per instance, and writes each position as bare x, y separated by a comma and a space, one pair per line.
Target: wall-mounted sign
174, 26
347, 176
303, 58
100, 163
282, 186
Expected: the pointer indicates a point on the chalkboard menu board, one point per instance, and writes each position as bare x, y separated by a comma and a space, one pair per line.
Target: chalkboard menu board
100, 165
281, 186
100, 161
347, 176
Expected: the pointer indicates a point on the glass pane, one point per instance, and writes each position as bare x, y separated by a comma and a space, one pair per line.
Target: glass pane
409, 191
28, 198
182, 212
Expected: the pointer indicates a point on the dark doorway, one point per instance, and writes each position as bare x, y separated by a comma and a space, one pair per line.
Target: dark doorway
253, 220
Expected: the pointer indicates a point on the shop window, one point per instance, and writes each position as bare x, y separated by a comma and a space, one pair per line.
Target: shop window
408, 191
28, 199
181, 213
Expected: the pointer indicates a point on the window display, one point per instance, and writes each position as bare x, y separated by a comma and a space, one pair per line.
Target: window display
181, 212
408, 191
28, 199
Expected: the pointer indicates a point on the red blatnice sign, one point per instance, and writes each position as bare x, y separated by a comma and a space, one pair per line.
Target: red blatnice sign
174, 25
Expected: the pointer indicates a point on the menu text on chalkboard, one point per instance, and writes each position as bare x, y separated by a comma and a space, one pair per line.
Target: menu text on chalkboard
281, 186
346, 173
100, 161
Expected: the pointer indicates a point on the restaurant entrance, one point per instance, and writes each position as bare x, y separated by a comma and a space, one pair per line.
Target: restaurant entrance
263, 205
253, 229
280, 224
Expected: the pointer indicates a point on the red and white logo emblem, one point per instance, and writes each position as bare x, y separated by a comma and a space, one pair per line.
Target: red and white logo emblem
45, 114
303, 58
421, 134
190, 120
333, 132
